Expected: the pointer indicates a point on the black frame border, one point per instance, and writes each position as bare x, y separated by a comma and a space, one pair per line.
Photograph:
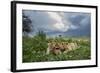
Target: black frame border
13, 35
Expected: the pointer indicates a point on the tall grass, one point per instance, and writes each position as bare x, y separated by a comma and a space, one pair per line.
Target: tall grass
34, 50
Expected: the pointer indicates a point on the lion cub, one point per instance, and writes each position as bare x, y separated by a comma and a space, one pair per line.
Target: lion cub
63, 47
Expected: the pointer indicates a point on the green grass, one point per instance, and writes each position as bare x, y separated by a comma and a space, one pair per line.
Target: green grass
34, 50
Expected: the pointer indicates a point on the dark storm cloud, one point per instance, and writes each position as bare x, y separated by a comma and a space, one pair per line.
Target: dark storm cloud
64, 23
40, 20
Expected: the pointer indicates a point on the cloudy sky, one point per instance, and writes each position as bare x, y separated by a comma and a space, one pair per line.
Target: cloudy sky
60, 23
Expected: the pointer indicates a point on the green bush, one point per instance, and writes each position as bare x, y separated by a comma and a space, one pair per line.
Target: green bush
34, 50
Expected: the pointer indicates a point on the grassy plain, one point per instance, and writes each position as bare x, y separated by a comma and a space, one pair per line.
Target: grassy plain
34, 49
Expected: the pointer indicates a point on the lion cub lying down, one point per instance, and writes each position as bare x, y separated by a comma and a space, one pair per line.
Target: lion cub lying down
63, 47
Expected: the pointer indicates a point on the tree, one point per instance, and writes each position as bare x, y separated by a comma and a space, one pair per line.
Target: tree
60, 35
42, 35
27, 25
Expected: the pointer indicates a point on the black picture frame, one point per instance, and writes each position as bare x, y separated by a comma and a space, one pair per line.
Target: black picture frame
13, 35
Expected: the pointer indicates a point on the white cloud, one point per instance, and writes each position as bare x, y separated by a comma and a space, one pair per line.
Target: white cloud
55, 15
59, 25
73, 27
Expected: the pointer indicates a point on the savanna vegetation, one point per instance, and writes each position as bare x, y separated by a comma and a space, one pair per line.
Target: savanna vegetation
34, 48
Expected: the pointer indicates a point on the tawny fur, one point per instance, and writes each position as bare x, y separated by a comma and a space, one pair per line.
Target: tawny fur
63, 47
